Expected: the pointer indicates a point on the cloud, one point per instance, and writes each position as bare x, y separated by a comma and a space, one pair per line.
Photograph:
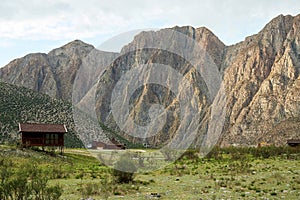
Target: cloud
62, 19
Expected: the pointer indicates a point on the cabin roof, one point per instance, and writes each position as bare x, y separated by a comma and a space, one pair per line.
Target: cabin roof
42, 128
293, 141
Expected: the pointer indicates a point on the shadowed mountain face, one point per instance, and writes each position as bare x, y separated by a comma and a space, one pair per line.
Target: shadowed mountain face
185, 78
165, 69
54, 73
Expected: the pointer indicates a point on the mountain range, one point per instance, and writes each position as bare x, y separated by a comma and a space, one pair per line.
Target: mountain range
255, 83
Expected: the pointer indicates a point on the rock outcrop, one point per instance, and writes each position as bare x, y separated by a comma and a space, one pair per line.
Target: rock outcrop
55, 73
161, 87
262, 81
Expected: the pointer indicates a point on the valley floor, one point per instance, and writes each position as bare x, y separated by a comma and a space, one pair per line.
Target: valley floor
267, 173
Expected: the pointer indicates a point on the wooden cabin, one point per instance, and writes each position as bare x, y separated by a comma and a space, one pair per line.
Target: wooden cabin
43, 135
293, 142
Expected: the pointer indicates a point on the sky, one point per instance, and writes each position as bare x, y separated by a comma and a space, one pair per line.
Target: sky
42, 25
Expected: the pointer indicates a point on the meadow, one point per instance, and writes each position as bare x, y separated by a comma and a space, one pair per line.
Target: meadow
228, 173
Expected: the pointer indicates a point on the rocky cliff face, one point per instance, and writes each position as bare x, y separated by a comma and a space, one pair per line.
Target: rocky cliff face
260, 77
54, 73
262, 82
160, 86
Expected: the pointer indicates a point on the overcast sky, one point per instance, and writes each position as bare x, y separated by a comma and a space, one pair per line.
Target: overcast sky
41, 25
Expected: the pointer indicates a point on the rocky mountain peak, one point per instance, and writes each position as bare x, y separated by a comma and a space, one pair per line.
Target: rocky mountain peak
74, 47
51, 73
202, 34
260, 76
281, 22
167, 39
76, 44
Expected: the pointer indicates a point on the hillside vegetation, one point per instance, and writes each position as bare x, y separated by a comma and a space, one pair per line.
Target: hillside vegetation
22, 105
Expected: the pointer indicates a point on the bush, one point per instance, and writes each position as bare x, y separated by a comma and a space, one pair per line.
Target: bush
25, 182
215, 154
124, 170
169, 154
53, 192
190, 154
88, 189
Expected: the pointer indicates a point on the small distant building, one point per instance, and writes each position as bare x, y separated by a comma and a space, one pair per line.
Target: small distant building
113, 144
43, 135
98, 145
293, 142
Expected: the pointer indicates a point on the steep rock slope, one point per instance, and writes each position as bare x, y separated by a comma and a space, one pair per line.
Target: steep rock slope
55, 73
260, 76
159, 47
262, 81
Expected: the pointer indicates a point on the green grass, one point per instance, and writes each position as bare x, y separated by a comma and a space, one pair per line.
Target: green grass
230, 175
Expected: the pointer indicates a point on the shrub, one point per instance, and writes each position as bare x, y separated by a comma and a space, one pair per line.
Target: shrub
53, 192
169, 154
106, 186
25, 182
89, 189
215, 153
124, 170
190, 154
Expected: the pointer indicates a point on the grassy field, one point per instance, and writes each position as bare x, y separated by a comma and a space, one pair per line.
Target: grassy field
234, 173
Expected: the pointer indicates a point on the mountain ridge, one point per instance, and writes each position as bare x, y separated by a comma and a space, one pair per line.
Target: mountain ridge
260, 75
